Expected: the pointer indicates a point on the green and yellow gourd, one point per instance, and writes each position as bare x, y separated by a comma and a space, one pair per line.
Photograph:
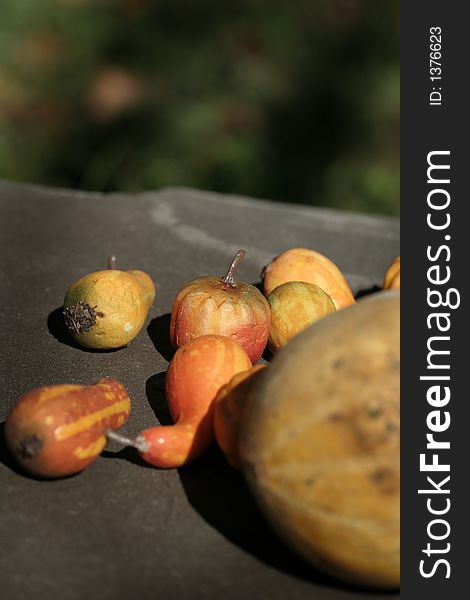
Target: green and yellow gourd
107, 309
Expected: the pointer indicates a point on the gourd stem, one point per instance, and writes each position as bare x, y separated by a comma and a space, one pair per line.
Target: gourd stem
228, 279
139, 442
111, 262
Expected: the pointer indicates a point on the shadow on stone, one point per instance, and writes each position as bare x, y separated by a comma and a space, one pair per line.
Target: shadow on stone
267, 355
221, 496
129, 455
155, 390
5, 456
57, 328
367, 291
159, 332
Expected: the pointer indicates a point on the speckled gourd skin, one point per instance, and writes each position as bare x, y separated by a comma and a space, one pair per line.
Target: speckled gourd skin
320, 443
304, 264
208, 306
121, 300
294, 306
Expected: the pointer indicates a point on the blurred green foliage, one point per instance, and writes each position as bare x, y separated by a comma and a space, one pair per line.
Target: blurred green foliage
294, 101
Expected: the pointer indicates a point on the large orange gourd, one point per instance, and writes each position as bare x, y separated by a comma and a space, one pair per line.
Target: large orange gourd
320, 442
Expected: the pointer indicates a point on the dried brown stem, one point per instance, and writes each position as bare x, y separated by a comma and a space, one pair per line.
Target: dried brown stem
79, 317
228, 279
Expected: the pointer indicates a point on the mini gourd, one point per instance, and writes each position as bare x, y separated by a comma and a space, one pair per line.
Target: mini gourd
229, 409
222, 306
107, 309
392, 275
195, 375
294, 306
304, 264
58, 430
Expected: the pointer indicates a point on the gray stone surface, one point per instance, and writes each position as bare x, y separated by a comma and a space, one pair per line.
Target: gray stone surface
121, 529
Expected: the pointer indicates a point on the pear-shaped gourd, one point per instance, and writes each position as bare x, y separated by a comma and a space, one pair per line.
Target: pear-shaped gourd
304, 264
107, 309
58, 430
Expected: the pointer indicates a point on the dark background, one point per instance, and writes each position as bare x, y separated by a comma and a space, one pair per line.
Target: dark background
293, 101
425, 129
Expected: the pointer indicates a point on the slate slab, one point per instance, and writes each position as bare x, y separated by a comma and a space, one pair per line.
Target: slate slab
121, 529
